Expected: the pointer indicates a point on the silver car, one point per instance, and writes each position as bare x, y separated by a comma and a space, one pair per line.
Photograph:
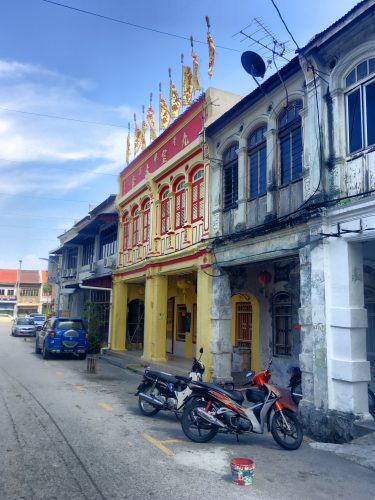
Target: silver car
23, 326
39, 320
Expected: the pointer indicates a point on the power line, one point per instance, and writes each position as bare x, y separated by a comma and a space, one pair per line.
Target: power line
54, 199
284, 23
22, 214
133, 25
28, 227
57, 117
65, 168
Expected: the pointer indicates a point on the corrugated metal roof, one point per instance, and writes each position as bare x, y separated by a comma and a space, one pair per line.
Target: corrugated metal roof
338, 22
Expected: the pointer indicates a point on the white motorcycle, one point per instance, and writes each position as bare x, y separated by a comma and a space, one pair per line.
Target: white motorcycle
162, 391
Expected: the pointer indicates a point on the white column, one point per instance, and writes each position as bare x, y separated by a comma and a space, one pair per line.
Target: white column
221, 313
348, 368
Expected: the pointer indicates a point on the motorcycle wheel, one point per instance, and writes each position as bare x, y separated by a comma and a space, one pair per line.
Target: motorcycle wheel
194, 427
146, 408
296, 392
287, 439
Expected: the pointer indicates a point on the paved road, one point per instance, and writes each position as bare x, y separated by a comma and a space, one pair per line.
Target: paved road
66, 434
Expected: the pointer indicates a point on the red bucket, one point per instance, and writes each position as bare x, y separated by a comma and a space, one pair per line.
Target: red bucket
242, 471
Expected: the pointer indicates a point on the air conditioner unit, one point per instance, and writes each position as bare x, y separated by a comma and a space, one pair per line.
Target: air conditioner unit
92, 267
109, 262
65, 273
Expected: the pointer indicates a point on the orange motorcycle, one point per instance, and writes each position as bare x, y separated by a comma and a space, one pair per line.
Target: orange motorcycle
255, 408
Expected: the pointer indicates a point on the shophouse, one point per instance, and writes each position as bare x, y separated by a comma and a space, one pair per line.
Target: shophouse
23, 292
80, 270
162, 290
293, 222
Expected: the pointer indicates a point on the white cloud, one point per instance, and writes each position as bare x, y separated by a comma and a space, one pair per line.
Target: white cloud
26, 138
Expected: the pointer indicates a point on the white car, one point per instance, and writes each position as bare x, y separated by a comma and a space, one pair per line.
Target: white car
24, 327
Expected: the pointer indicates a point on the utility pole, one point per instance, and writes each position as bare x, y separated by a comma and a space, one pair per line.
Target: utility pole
18, 288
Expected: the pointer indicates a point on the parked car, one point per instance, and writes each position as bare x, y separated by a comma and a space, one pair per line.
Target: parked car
62, 336
23, 326
39, 320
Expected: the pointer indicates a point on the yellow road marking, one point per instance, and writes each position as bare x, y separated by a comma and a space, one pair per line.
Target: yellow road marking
171, 441
159, 445
79, 387
105, 406
61, 374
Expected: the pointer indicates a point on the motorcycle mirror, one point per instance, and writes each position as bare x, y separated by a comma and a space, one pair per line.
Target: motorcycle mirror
201, 350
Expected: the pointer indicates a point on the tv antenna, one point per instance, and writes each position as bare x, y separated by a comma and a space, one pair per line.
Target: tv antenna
265, 42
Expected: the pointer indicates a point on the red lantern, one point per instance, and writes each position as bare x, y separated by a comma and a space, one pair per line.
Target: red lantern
264, 277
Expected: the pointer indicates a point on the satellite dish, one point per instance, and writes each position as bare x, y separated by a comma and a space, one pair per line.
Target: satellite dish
253, 64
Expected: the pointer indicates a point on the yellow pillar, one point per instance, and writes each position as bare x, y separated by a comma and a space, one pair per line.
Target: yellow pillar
155, 318
204, 298
119, 316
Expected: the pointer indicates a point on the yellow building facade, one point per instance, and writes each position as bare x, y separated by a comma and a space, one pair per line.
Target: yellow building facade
163, 281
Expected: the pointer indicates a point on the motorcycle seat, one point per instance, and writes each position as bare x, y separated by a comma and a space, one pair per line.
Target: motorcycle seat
171, 379
183, 379
235, 395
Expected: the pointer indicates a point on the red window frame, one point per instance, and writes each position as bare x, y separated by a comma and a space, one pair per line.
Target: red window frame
164, 213
126, 235
180, 207
146, 225
197, 198
135, 235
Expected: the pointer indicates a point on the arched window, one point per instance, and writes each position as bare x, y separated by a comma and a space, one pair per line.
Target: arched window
180, 205
135, 239
290, 141
360, 106
282, 324
197, 189
165, 212
230, 177
146, 222
257, 150
126, 233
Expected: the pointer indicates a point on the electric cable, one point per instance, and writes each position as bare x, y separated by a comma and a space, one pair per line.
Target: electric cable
54, 199
57, 117
58, 166
134, 25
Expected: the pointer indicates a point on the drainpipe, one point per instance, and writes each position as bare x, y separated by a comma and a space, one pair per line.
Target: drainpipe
110, 305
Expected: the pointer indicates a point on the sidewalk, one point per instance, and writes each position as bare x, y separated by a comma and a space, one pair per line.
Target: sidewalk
131, 360
175, 365
360, 450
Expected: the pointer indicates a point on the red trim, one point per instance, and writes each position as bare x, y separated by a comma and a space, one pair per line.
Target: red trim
169, 132
164, 263
178, 165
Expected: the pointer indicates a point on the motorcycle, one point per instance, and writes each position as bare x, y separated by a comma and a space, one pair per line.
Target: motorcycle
212, 409
295, 384
162, 391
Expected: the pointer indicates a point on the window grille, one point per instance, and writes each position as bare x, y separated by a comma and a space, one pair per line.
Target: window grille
282, 324
230, 181
290, 140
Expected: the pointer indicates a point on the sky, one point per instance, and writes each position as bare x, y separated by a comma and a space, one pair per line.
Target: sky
70, 82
